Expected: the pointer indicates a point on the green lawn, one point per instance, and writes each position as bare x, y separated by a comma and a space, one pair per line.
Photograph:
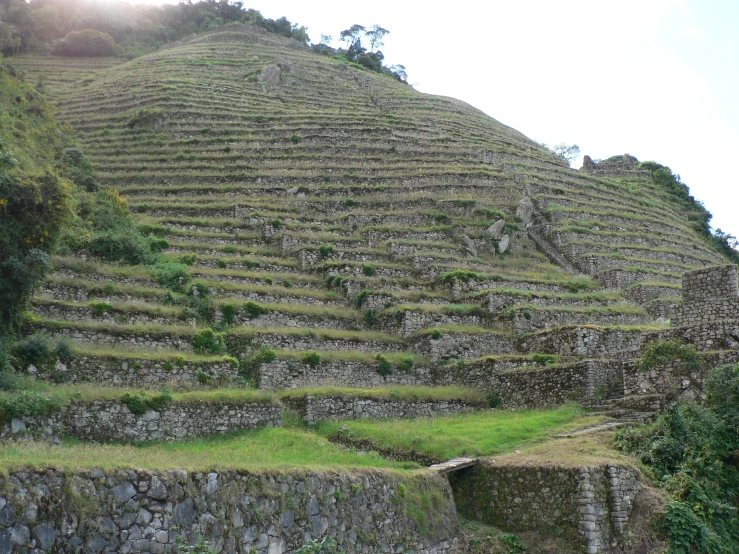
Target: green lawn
481, 434
262, 448
294, 446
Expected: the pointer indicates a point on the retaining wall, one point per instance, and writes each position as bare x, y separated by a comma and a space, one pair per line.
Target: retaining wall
111, 420
242, 512
588, 506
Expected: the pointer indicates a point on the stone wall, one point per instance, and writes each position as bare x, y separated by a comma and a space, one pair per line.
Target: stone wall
138, 372
711, 282
673, 380
111, 420
591, 342
546, 386
587, 506
315, 408
294, 374
461, 346
709, 295
625, 168
527, 319
241, 512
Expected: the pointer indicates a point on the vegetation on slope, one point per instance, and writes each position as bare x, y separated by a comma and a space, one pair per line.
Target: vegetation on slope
693, 452
90, 28
697, 214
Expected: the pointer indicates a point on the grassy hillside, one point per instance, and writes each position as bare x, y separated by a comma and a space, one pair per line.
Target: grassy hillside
249, 214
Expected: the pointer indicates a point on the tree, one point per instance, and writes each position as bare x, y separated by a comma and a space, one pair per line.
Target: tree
87, 43
568, 152
352, 36
33, 209
375, 34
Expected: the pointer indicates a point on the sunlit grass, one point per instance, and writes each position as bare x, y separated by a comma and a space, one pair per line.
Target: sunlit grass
480, 434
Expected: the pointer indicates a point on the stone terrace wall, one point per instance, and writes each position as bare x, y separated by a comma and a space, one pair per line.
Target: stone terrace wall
111, 420
673, 380
238, 512
709, 295
711, 282
591, 342
556, 385
294, 374
587, 505
320, 408
136, 372
625, 168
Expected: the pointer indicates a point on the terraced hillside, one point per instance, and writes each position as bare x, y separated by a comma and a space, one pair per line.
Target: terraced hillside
336, 211
356, 250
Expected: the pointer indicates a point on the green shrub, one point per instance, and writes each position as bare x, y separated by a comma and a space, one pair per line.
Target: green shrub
667, 351
312, 359
140, 402
171, 275
287, 284
229, 312
493, 399
436, 334
326, 545
349, 202
325, 250
158, 244
295, 138
27, 403
99, 309
207, 341
254, 310
222, 264
405, 363
87, 43
188, 259
179, 361
147, 118
230, 249
126, 246
368, 270
249, 365
514, 544
268, 280
384, 367
203, 378
34, 349
64, 350
370, 317
545, 359
360, 298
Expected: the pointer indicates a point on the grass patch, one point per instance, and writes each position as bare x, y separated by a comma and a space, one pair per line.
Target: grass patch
253, 449
481, 434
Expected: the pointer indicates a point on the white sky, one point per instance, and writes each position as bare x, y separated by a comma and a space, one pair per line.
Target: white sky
658, 79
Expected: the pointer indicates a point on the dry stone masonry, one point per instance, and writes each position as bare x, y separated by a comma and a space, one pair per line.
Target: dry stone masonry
240, 512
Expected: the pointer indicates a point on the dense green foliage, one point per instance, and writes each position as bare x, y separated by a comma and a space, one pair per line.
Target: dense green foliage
663, 352
87, 43
693, 451
34, 200
88, 28
698, 215
363, 49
